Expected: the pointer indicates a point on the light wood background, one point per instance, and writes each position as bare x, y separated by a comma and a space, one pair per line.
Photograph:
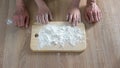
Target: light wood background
103, 41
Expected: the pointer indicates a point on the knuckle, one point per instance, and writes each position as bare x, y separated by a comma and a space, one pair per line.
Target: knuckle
89, 11
94, 12
74, 18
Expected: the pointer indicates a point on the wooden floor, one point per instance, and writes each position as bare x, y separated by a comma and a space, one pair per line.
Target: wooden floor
103, 39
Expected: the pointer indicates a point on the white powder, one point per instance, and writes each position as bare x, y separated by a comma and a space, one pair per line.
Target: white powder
60, 35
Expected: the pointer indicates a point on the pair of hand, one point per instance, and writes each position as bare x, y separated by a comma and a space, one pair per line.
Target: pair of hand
92, 14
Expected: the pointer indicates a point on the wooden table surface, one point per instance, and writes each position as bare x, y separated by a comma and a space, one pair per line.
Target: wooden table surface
103, 41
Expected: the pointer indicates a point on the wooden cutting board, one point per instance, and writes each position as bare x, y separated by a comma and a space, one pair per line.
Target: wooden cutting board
34, 45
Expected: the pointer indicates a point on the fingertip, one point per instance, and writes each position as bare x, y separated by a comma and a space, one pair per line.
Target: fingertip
43, 20
22, 21
37, 19
73, 24
99, 16
70, 18
96, 17
87, 17
46, 19
91, 17
26, 25
27, 22
40, 20
67, 17
76, 23
16, 21
50, 16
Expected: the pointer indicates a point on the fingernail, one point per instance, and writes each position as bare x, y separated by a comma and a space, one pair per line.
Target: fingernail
26, 26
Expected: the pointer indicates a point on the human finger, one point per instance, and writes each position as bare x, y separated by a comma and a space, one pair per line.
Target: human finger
91, 17
50, 16
70, 18
43, 19
46, 18
95, 16
27, 22
87, 17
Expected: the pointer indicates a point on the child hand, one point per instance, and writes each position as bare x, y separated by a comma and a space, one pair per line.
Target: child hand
74, 16
44, 15
92, 13
21, 17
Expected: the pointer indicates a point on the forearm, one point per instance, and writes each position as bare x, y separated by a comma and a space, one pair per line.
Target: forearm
75, 3
19, 3
91, 1
40, 3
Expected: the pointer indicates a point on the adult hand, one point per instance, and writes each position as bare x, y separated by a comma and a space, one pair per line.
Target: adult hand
92, 13
44, 15
74, 16
21, 17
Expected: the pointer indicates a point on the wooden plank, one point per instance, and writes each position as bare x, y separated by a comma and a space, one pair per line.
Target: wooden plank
35, 42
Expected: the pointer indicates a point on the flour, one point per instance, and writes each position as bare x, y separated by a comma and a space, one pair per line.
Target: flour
60, 35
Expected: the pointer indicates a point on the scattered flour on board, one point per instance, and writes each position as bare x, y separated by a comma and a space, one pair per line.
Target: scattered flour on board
61, 35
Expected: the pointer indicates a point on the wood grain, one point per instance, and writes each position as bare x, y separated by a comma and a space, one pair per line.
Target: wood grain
103, 40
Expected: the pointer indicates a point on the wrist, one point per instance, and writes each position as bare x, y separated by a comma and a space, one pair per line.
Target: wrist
75, 6
20, 3
75, 3
91, 3
40, 3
